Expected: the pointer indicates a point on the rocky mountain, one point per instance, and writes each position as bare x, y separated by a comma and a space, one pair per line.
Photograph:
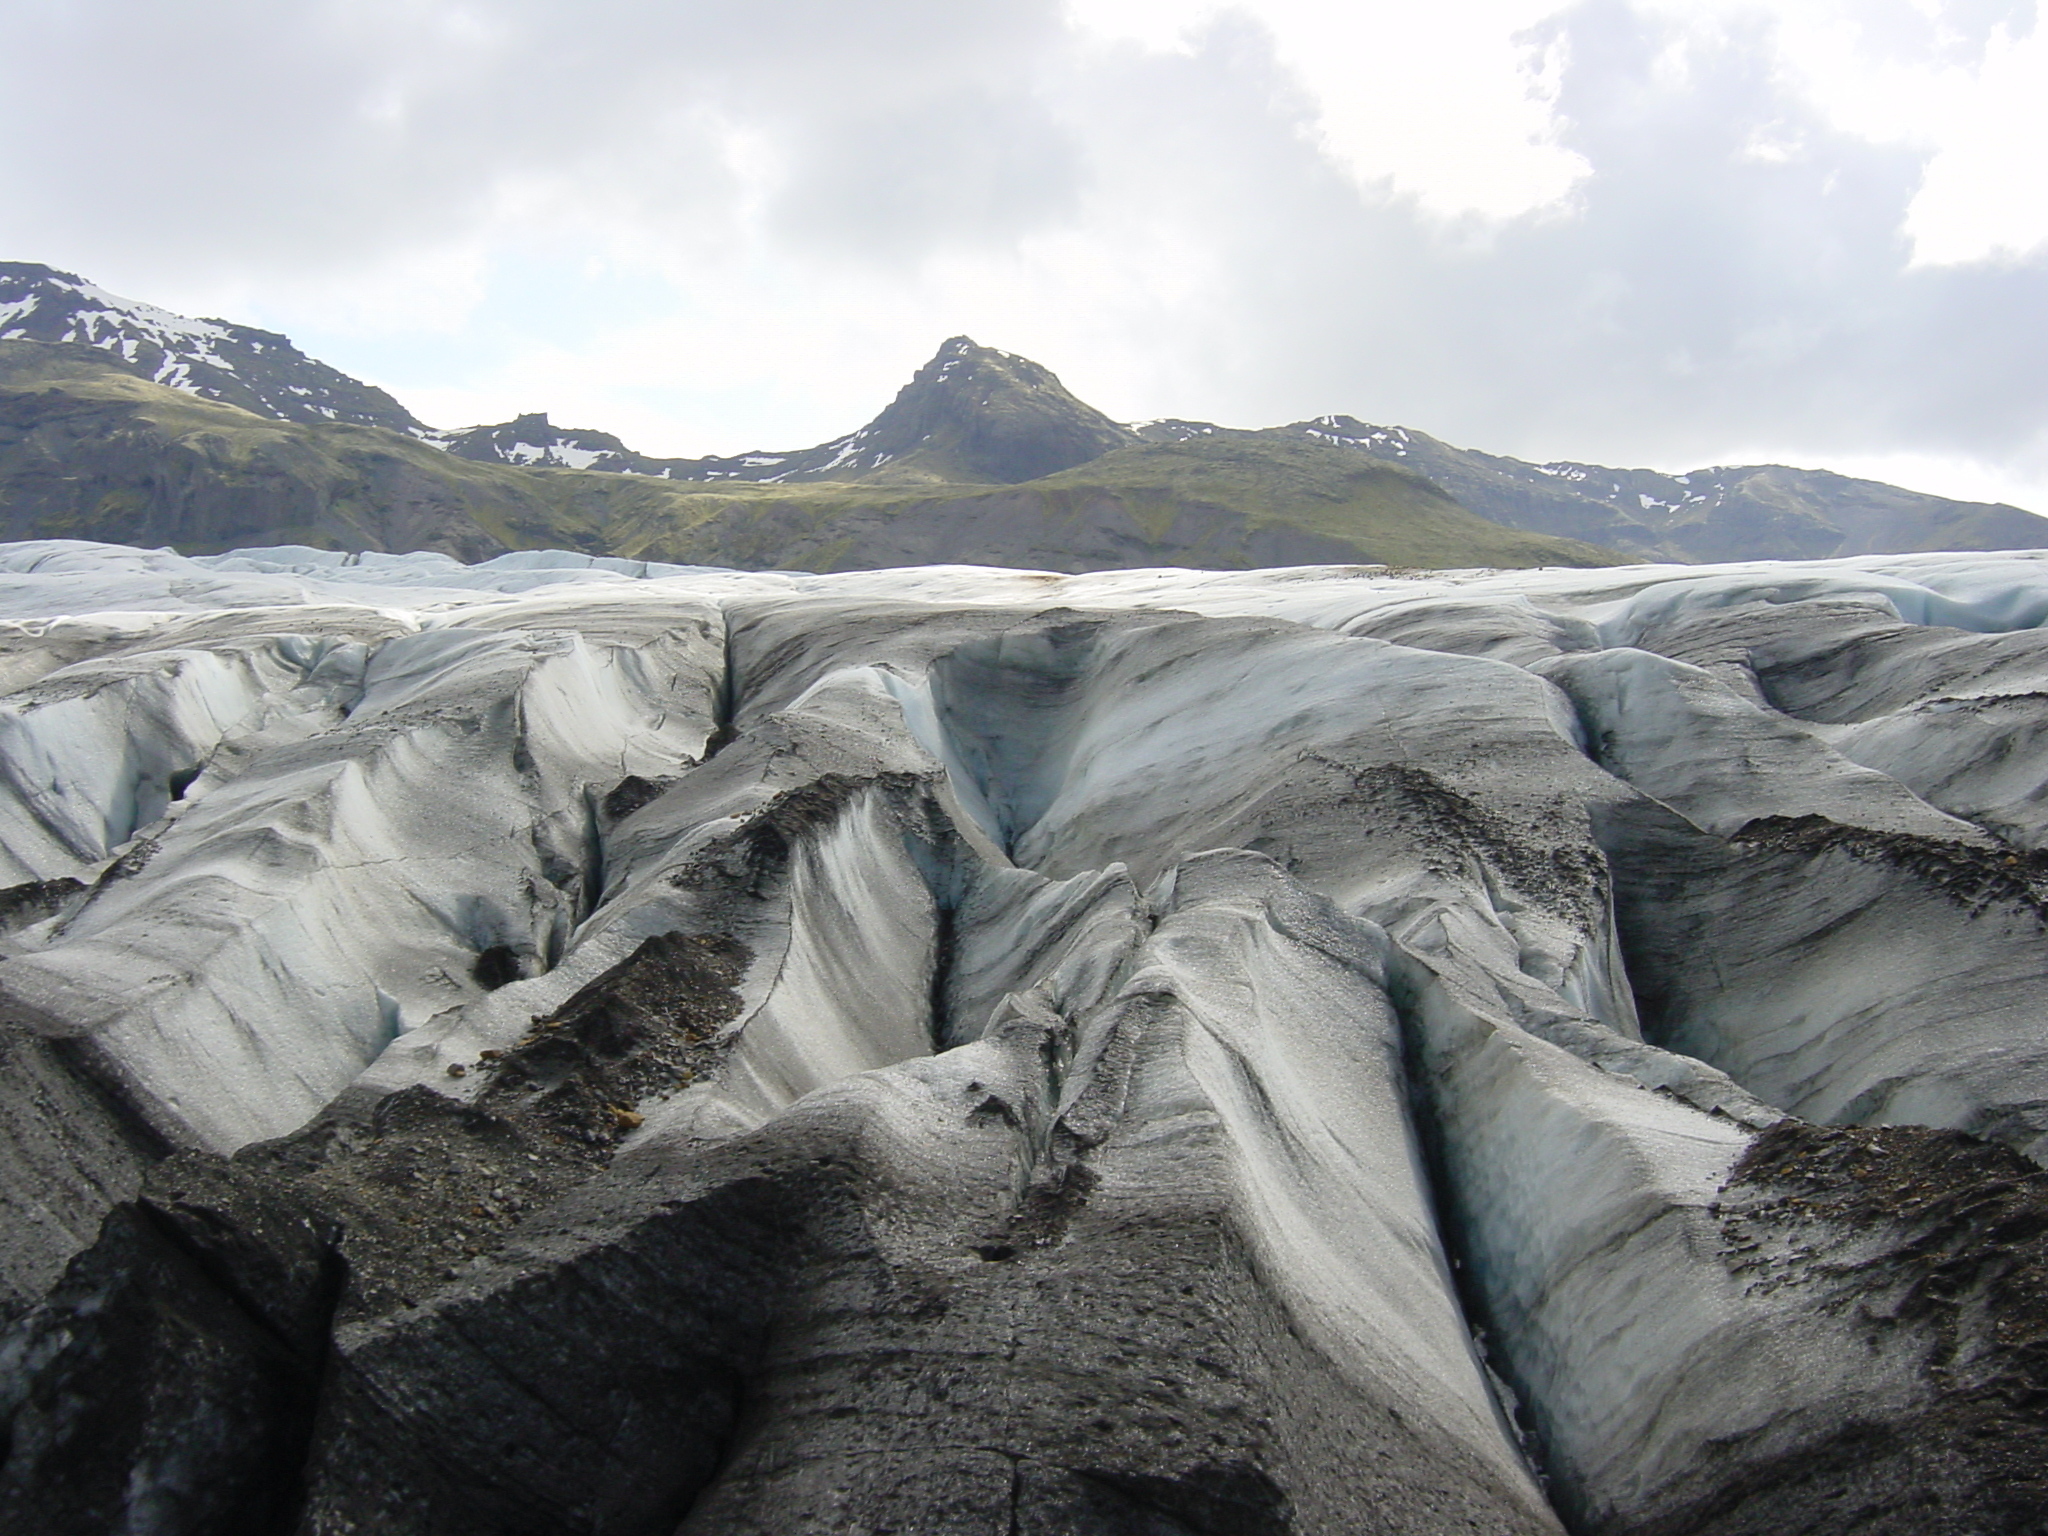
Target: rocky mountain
1750, 512
970, 416
534, 441
566, 1046
238, 365
89, 450
1030, 427
984, 457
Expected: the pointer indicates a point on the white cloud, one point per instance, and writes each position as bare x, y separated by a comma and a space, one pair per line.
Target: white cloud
1450, 104
1644, 230
1985, 196
1964, 83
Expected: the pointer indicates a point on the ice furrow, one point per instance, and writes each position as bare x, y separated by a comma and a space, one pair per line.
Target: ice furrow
296, 891
975, 1051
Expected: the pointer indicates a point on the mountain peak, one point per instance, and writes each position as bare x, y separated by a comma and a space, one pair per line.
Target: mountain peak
977, 414
963, 362
971, 415
259, 371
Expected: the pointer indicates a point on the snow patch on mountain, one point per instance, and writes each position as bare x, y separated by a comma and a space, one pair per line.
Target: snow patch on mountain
213, 359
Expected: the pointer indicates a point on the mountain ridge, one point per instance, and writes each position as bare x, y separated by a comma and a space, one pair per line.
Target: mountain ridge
260, 371
972, 415
931, 471
1698, 515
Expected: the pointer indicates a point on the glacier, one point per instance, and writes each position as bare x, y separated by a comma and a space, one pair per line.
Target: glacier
572, 1044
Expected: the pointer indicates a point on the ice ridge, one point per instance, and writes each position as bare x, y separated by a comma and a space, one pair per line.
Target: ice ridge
571, 1044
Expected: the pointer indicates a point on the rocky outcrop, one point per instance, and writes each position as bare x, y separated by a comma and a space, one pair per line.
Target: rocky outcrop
534, 440
977, 415
568, 1046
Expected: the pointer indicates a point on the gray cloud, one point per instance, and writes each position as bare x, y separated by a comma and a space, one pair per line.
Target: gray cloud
969, 167
325, 131
1732, 270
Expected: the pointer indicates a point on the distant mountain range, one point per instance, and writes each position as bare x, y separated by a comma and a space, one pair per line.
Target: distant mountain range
125, 422
971, 416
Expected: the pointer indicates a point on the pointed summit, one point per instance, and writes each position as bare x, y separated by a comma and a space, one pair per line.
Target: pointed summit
970, 416
978, 415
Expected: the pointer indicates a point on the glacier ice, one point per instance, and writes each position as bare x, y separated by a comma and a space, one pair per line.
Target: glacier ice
581, 1045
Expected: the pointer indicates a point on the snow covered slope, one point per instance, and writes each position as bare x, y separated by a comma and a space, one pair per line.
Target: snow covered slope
574, 1045
259, 371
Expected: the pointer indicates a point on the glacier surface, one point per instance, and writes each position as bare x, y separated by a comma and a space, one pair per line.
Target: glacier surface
577, 1045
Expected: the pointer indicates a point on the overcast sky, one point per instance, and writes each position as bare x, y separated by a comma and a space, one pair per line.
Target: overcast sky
1659, 232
